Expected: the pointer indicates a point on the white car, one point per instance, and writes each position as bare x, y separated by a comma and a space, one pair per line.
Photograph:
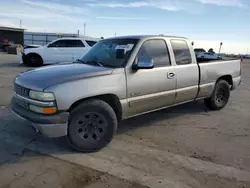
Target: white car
62, 50
208, 56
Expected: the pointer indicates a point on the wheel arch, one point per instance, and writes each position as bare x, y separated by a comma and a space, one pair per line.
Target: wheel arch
110, 99
36, 54
227, 78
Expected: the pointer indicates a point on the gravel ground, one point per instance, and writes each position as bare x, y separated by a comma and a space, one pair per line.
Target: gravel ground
184, 146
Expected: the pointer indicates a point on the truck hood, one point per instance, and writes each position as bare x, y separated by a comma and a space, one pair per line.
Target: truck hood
41, 78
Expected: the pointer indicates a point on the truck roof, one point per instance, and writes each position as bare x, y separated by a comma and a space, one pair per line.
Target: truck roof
144, 36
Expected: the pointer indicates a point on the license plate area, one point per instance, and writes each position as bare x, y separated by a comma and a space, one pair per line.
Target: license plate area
22, 103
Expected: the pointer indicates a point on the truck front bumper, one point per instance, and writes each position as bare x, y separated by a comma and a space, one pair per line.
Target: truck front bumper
49, 125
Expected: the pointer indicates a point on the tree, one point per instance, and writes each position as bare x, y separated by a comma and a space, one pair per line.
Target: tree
211, 50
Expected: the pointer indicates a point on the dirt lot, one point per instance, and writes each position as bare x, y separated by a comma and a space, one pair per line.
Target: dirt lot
185, 146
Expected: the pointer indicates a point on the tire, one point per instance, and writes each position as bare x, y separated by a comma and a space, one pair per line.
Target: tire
34, 60
219, 97
92, 125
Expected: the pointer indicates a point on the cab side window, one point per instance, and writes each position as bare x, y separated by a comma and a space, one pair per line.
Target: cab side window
181, 52
157, 50
74, 44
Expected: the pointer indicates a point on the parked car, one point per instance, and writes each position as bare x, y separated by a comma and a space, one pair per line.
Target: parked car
62, 50
119, 78
198, 50
208, 56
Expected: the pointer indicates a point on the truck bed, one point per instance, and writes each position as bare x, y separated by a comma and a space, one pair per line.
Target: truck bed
211, 71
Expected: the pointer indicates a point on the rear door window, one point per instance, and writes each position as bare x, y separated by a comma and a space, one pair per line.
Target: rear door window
157, 50
181, 52
74, 43
91, 43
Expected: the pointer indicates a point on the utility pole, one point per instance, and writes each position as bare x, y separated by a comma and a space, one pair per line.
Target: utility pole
20, 23
78, 33
84, 29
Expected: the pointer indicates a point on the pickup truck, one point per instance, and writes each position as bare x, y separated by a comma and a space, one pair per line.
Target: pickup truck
119, 78
62, 50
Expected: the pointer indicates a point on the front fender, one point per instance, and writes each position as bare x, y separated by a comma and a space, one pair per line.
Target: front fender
70, 92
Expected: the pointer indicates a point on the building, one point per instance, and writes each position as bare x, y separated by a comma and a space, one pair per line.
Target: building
11, 35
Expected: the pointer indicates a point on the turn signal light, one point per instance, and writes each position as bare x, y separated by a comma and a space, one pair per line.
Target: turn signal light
50, 110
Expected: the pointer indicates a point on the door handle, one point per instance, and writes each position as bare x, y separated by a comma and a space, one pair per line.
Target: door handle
171, 75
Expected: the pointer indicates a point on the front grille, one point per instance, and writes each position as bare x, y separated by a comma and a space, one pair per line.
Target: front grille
21, 91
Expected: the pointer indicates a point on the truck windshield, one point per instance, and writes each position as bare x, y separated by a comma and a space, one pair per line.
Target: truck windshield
110, 52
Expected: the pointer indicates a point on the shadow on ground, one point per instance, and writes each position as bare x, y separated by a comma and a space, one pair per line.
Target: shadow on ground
154, 117
62, 145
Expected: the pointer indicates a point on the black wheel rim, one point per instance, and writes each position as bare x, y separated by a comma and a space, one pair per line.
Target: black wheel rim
220, 97
91, 127
33, 60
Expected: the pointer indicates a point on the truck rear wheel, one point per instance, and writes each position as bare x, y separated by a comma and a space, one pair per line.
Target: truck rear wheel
92, 126
219, 97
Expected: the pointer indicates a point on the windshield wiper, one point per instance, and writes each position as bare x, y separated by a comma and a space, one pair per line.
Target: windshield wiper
79, 60
90, 62
96, 62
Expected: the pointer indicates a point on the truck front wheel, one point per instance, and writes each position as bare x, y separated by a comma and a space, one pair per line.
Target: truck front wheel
219, 97
92, 125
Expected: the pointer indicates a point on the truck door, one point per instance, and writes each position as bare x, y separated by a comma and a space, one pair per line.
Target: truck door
151, 89
186, 71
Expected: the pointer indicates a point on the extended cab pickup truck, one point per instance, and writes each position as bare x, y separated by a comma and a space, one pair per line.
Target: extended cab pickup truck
119, 78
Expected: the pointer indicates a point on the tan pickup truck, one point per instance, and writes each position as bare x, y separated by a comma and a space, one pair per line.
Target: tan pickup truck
119, 78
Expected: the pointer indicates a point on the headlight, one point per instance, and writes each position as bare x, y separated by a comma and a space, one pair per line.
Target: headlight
41, 96
43, 110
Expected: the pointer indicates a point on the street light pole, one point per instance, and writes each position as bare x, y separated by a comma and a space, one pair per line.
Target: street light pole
220, 47
84, 29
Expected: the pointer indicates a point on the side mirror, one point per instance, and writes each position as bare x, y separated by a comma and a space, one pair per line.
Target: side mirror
144, 63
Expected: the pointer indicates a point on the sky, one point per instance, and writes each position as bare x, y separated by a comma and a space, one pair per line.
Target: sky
206, 22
